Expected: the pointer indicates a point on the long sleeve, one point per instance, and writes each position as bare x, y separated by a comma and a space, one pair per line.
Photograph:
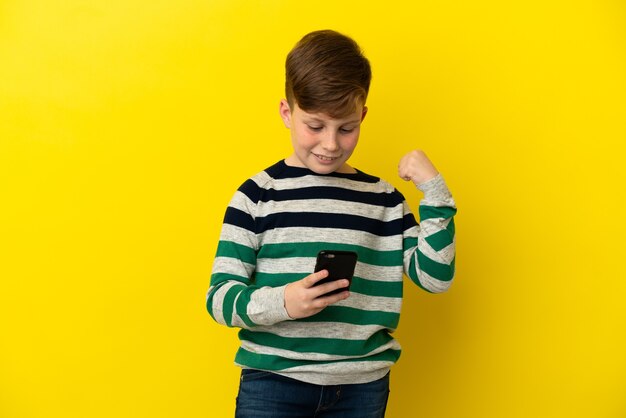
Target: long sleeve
233, 298
429, 247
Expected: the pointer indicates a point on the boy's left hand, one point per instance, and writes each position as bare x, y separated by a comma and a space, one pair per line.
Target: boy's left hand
416, 166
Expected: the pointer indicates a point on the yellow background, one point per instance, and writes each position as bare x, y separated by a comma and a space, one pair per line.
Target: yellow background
125, 127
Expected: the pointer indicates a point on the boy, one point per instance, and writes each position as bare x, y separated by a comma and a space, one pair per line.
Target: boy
304, 352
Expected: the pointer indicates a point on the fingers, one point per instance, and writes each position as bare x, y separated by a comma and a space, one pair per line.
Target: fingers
331, 299
406, 166
329, 287
311, 279
320, 302
416, 166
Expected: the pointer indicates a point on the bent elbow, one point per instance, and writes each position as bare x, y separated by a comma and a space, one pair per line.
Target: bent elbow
436, 286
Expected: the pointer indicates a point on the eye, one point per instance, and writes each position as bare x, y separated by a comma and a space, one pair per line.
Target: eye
346, 130
315, 128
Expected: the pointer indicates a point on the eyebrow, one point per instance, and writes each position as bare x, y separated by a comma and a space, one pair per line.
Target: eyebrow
315, 119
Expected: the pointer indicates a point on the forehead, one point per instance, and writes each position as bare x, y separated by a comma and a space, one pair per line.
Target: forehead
324, 117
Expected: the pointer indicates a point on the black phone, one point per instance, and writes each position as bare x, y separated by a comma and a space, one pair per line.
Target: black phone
340, 265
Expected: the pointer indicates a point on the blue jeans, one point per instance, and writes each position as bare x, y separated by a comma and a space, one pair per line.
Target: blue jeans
268, 395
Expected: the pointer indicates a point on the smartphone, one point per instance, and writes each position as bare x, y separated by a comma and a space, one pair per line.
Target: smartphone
340, 265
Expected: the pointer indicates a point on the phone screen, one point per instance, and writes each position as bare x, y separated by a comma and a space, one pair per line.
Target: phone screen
340, 265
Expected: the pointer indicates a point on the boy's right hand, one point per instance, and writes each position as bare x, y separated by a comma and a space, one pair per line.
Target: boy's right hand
302, 298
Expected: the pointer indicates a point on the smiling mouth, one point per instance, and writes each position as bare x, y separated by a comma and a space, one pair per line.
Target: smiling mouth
325, 158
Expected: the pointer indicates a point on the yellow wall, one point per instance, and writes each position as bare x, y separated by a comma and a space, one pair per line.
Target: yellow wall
125, 127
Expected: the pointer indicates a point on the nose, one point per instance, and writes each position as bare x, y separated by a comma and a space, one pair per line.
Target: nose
329, 141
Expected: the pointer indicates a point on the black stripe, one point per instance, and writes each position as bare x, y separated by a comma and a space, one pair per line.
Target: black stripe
329, 220
239, 218
251, 190
388, 200
409, 221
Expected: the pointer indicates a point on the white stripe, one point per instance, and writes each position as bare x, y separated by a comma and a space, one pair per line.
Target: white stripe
295, 265
325, 206
324, 181
218, 301
438, 201
308, 234
426, 280
338, 330
386, 274
242, 202
294, 355
232, 266
261, 179
306, 265
433, 225
236, 320
238, 235
267, 306
443, 256
432, 284
412, 232
371, 303
331, 236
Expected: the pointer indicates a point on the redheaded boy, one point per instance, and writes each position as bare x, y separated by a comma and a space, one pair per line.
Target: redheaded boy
305, 353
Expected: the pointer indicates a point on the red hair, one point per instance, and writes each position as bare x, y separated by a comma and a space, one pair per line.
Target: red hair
327, 72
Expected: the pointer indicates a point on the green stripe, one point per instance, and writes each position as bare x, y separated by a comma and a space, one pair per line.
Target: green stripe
377, 288
310, 249
354, 316
318, 345
233, 250
242, 305
229, 303
217, 278
409, 242
430, 212
359, 285
277, 363
277, 279
440, 240
434, 269
209, 301
451, 228
414, 276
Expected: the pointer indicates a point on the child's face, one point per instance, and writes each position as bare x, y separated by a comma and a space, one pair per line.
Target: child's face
321, 143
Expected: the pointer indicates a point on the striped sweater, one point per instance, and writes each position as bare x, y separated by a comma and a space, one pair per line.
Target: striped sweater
273, 229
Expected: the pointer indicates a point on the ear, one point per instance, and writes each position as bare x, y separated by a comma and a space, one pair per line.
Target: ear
285, 113
363, 113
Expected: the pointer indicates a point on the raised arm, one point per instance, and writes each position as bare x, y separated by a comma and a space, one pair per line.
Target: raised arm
429, 247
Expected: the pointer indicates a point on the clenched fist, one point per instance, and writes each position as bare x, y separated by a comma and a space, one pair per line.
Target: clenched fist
416, 166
